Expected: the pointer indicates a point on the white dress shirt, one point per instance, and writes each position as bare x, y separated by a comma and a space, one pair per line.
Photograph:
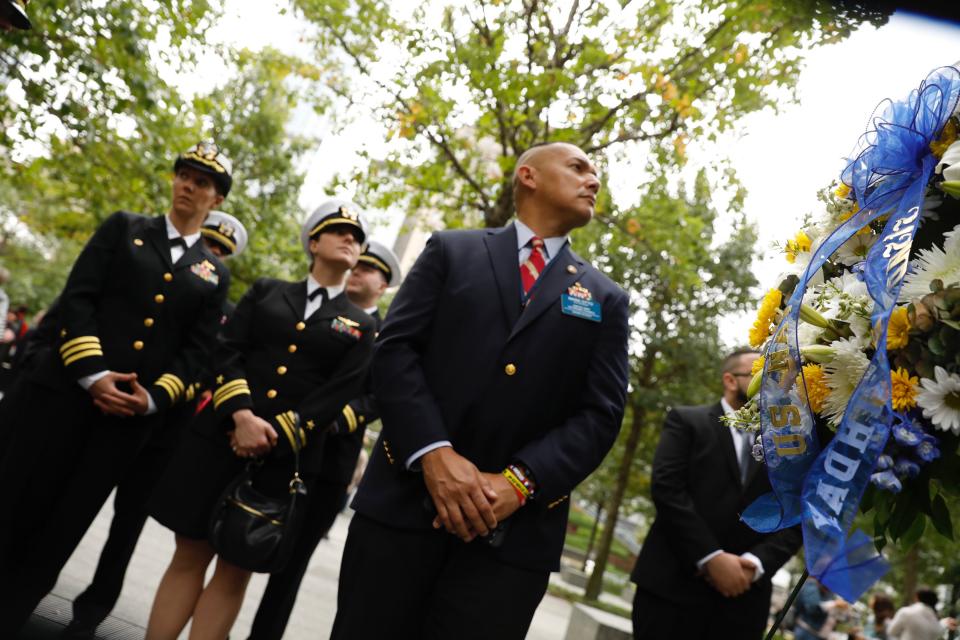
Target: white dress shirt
741, 439
313, 305
176, 252
916, 622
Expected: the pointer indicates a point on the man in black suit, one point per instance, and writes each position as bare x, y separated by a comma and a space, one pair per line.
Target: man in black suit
377, 270
702, 573
501, 377
137, 318
224, 236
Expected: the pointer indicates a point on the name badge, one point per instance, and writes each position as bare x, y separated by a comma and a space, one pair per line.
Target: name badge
579, 308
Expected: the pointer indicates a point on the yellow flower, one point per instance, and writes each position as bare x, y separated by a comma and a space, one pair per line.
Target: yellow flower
947, 138
816, 390
766, 317
756, 366
903, 390
800, 243
842, 191
898, 331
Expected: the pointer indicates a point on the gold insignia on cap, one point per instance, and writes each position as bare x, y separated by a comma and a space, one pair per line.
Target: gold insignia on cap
348, 214
226, 229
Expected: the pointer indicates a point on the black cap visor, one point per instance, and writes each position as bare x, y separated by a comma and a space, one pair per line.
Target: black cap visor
14, 14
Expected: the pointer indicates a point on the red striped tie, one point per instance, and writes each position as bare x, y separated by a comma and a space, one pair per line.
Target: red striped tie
533, 266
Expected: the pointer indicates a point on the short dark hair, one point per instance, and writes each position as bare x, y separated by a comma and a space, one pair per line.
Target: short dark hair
927, 597
731, 361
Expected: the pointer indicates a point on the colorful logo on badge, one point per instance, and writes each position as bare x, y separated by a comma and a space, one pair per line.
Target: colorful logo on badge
580, 292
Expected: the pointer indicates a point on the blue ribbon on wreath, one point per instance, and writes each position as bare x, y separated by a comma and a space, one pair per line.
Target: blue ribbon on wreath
822, 489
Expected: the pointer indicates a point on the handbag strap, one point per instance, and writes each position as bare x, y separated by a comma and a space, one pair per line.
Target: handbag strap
295, 482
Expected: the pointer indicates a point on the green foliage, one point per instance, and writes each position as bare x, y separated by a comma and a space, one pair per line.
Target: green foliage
103, 128
466, 89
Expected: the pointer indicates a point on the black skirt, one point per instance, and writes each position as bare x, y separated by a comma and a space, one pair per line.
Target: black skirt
200, 470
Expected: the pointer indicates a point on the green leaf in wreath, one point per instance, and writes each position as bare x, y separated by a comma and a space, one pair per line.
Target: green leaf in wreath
914, 533
941, 517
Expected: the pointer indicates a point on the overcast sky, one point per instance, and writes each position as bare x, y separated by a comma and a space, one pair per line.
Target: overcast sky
782, 159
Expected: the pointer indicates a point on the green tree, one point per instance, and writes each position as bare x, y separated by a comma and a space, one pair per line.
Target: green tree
683, 275
466, 88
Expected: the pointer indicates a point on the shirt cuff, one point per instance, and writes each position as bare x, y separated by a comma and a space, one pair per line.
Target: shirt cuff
151, 405
756, 562
707, 558
427, 449
87, 381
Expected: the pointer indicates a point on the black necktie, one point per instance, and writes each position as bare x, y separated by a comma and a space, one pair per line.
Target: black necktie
319, 291
178, 242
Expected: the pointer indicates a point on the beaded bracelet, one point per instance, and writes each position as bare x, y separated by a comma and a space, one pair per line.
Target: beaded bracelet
523, 475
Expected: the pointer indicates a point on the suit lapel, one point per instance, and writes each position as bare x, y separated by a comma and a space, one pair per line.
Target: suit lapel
193, 254
557, 279
330, 309
296, 296
158, 238
726, 443
504, 259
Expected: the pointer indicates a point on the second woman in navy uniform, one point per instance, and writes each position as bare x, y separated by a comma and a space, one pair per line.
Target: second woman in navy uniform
292, 355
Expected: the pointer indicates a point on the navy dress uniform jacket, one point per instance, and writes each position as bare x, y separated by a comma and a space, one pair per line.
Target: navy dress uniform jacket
126, 307
294, 373
459, 359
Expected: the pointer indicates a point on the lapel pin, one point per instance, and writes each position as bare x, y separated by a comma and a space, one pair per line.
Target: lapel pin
571, 269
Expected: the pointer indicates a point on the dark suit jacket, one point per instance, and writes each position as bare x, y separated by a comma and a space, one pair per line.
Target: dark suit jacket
459, 359
342, 449
284, 368
697, 491
126, 307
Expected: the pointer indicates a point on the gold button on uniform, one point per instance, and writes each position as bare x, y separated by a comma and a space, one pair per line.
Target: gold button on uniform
137, 345
158, 298
510, 369
571, 269
148, 322
167, 277
281, 370
301, 326
292, 348
272, 394
138, 242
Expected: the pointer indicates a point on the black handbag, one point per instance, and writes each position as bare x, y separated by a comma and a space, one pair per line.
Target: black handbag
255, 531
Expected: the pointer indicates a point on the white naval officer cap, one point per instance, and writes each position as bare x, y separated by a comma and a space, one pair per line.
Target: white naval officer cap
380, 257
225, 230
331, 213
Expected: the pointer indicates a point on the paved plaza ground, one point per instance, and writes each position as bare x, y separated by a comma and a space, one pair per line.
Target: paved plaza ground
316, 604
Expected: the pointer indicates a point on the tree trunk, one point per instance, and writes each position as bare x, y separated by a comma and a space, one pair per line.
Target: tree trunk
910, 568
595, 584
593, 535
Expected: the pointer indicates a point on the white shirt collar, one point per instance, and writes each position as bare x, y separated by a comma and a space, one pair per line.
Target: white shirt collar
313, 285
727, 409
173, 233
552, 245
370, 310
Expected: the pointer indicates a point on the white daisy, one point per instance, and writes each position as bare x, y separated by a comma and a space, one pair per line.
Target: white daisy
949, 164
933, 264
940, 400
845, 298
855, 249
843, 373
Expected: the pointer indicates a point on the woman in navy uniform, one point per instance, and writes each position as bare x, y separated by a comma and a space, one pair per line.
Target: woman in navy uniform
137, 318
291, 356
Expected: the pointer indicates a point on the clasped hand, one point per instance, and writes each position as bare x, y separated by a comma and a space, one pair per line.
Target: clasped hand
112, 401
252, 436
729, 574
469, 503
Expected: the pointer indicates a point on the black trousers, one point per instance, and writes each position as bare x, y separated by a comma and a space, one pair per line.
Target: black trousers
428, 585
655, 618
129, 515
63, 460
324, 502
